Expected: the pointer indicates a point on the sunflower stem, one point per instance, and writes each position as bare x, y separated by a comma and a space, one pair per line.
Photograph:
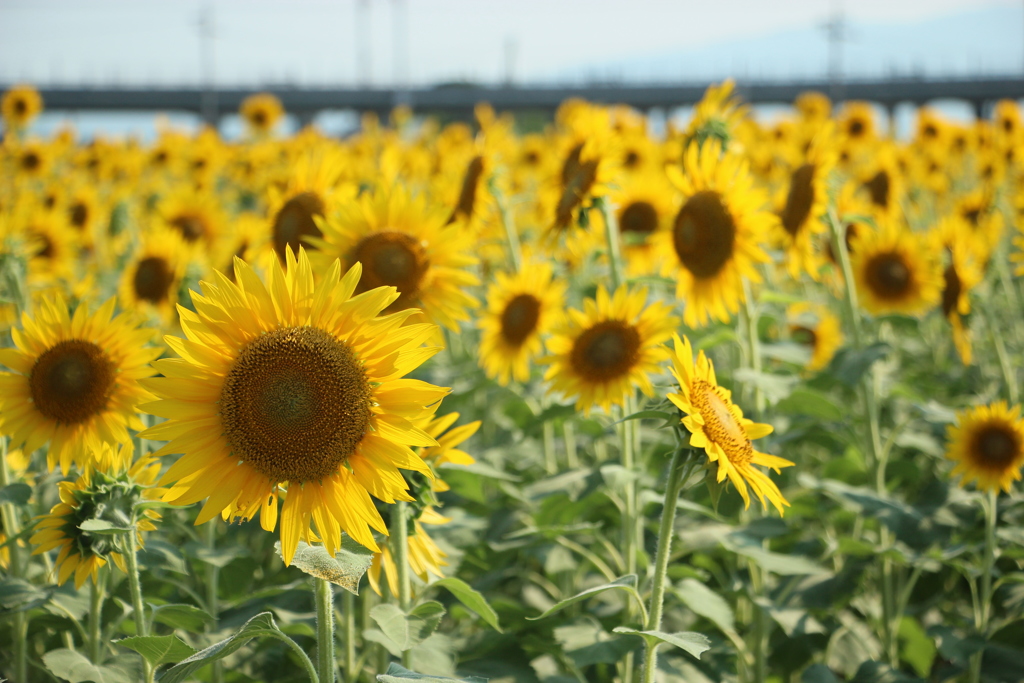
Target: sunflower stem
550, 459
572, 459
97, 588
631, 529
988, 559
135, 588
611, 233
1007, 369
749, 311
12, 528
679, 471
348, 609
400, 551
515, 251
212, 576
324, 595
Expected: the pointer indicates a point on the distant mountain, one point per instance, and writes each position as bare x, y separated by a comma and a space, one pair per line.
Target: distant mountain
984, 40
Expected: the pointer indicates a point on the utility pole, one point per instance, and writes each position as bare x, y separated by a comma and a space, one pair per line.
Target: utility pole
364, 53
400, 26
511, 50
207, 29
835, 32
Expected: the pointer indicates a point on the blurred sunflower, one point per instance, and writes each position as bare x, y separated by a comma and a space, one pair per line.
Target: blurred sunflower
403, 241
818, 328
882, 182
310, 192
602, 354
895, 270
75, 381
961, 274
716, 237
856, 122
813, 107
20, 106
288, 388
644, 207
521, 308
195, 214
32, 159
983, 221
150, 280
425, 558
261, 112
716, 116
717, 425
987, 444
805, 203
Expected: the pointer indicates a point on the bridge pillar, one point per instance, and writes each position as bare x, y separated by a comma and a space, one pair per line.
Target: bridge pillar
979, 109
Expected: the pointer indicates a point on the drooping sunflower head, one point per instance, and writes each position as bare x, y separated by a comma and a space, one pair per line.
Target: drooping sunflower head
112, 491
261, 112
20, 106
521, 309
286, 388
817, 328
896, 271
987, 444
717, 425
425, 557
604, 353
715, 116
74, 380
717, 235
589, 165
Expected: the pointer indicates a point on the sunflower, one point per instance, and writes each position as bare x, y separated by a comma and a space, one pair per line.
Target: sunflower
813, 107
1007, 122
805, 204
895, 270
818, 328
75, 380
983, 220
717, 425
261, 112
521, 309
20, 105
857, 122
195, 214
987, 443
716, 237
587, 171
150, 280
603, 353
425, 558
881, 181
644, 207
286, 388
403, 241
716, 115
110, 491
961, 274
32, 159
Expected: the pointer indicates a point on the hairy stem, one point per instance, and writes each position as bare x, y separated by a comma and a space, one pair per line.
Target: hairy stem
135, 587
324, 595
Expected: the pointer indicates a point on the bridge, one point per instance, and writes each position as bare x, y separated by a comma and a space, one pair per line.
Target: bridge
457, 100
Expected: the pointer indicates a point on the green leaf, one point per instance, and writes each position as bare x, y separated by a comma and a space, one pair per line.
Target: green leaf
158, 649
775, 387
17, 595
75, 668
16, 494
472, 599
408, 630
102, 526
345, 569
185, 617
669, 418
397, 673
626, 583
849, 365
260, 626
690, 641
811, 403
777, 563
707, 603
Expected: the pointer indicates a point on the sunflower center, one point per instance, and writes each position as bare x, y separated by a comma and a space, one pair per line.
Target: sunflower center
704, 234
856, 128
295, 220
571, 164
799, 200
467, 195
392, 258
45, 249
20, 107
295, 404
190, 225
72, 381
259, 118
153, 279
972, 215
803, 335
951, 292
31, 161
638, 218
720, 425
78, 214
878, 188
575, 191
520, 318
632, 159
888, 276
995, 447
606, 351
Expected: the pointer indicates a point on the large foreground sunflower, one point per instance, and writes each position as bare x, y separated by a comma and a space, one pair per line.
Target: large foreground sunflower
987, 443
75, 380
717, 425
520, 309
283, 388
603, 353
895, 270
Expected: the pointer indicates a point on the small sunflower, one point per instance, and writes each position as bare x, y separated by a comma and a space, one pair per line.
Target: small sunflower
817, 327
403, 241
716, 237
111, 491
983, 220
857, 122
521, 309
261, 112
286, 388
150, 280
644, 207
814, 107
961, 274
987, 443
717, 425
716, 116
895, 270
310, 192
32, 160
603, 353
425, 558
196, 215
805, 203
881, 181
20, 105
74, 380
588, 168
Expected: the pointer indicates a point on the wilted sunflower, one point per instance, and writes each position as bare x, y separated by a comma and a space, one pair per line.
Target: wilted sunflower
20, 105
804, 205
895, 270
717, 425
261, 112
110, 491
603, 353
520, 309
987, 443
716, 237
403, 241
75, 380
286, 388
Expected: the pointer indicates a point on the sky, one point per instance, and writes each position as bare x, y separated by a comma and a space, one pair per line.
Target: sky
422, 42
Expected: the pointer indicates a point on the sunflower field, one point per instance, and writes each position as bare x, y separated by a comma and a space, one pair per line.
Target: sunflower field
478, 401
